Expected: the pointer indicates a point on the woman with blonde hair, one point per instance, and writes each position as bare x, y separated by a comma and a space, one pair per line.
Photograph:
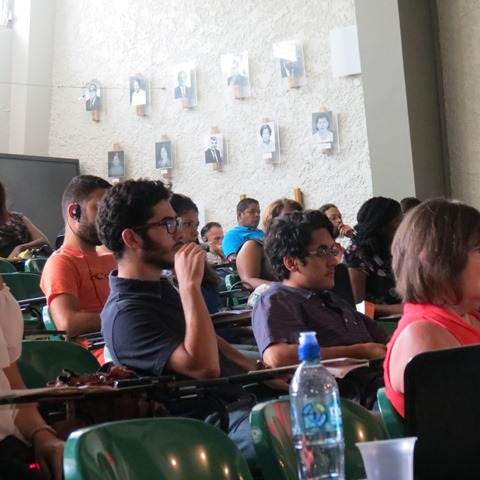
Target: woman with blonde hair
17, 232
252, 264
436, 261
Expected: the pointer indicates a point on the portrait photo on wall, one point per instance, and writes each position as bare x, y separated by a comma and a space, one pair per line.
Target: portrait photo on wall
236, 74
266, 137
214, 151
93, 100
291, 62
163, 155
139, 90
116, 164
184, 84
324, 131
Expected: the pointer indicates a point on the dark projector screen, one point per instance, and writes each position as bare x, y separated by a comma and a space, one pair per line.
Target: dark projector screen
35, 187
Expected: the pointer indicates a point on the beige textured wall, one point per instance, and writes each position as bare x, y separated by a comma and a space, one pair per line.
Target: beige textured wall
459, 40
110, 41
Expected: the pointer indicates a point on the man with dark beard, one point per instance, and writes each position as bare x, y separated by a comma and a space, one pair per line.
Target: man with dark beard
149, 324
75, 277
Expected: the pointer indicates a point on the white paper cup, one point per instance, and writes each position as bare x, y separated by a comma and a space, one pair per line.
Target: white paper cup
388, 459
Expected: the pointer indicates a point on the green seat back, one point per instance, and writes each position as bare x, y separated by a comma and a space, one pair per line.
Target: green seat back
35, 265
23, 285
240, 290
272, 438
153, 449
388, 325
7, 267
48, 323
42, 361
392, 420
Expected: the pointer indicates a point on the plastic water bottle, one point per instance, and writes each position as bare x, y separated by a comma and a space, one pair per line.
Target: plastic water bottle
316, 416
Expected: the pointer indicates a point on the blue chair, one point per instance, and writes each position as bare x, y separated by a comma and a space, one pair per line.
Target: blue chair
153, 449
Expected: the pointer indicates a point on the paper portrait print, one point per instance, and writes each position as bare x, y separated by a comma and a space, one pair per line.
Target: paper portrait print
268, 142
116, 164
324, 131
236, 75
292, 66
214, 148
93, 98
139, 87
163, 155
184, 85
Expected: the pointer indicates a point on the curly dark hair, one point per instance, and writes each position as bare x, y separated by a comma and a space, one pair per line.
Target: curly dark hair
290, 235
374, 219
126, 205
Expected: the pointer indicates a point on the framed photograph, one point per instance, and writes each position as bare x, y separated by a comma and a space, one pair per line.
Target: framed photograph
184, 84
268, 142
93, 98
116, 164
235, 72
139, 89
324, 131
163, 155
214, 151
291, 62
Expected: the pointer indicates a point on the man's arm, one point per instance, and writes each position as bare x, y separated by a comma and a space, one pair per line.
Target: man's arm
283, 354
197, 356
66, 314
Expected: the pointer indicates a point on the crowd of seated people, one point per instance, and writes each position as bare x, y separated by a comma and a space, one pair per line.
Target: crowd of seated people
252, 264
158, 323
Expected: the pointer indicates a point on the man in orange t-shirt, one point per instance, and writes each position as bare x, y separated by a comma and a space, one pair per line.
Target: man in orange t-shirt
75, 277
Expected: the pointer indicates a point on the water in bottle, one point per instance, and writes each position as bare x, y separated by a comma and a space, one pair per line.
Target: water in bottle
316, 416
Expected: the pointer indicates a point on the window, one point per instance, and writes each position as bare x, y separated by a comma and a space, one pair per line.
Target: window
6, 13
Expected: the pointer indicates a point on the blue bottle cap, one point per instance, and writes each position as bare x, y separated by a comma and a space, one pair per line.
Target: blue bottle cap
308, 348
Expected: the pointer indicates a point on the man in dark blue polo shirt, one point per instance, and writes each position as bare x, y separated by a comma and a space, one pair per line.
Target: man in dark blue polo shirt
301, 250
148, 323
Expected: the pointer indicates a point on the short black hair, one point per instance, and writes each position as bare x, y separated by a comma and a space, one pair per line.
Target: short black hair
206, 228
289, 235
127, 205
80, 188
182, 204
242, 205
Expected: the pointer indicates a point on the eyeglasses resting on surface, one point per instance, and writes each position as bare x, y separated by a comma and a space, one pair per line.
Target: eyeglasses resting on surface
325, 251
171, 224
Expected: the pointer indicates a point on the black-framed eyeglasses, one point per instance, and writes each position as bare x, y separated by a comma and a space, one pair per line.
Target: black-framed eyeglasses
325, 251
171, 224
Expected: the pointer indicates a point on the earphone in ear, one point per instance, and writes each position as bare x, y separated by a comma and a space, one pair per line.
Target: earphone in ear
76, 212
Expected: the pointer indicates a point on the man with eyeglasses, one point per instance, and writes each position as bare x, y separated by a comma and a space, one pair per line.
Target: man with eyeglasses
150, 324
248, 218
301, 250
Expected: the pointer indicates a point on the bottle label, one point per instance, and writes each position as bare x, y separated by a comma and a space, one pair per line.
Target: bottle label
316, 415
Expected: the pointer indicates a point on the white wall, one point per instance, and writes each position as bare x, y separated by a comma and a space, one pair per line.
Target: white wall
459, 40
110, 41
5, 76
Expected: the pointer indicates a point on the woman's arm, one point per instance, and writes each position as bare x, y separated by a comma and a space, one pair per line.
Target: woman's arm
48, 448
249, 263
37, 239
358, 280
